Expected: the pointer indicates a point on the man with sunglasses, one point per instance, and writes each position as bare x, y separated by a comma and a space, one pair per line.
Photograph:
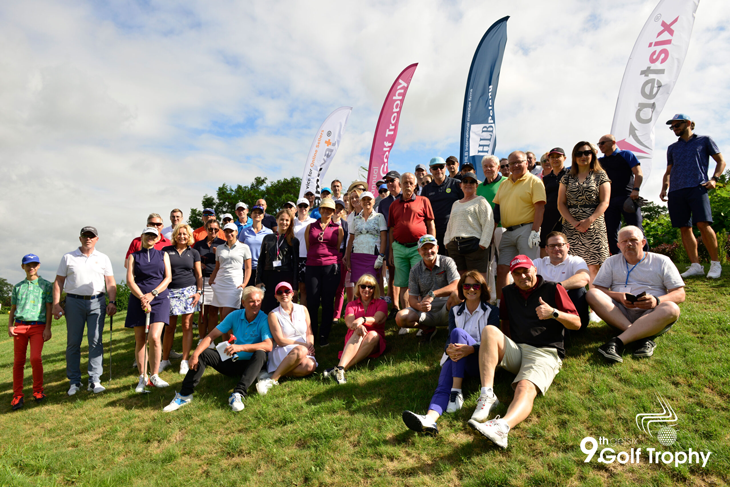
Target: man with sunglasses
442, 192
504, 167
392, 181
200, 233
452, 164
382, 193
686, 185
154, 220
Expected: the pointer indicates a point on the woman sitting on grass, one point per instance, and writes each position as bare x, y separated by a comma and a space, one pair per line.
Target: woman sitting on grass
365, 318
293, 353
466, 322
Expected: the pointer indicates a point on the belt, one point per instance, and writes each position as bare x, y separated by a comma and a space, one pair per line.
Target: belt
515, 227
583, 206
21, 322
409, 245
85, 298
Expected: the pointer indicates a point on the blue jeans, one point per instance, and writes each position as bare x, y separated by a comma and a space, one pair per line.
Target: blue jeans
467, 366
82, 314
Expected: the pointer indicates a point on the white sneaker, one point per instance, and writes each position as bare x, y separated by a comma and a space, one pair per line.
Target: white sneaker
236, 402
134, 364
419, 333
263, 375
164, 364
141, 384
594, 318
184, 367
694, 270
404, 331
485, 405
715, 270
495, 430
263, 386
175, 355
73, 389
419, 423
155, 381
456, 401
178, 402
340, 375
95, 387
212, 345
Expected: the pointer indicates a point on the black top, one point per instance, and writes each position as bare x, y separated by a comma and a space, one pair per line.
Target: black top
181, 266
273, 248
269, 221
207, 256
442, 197
552, 185
618, 167
384, 206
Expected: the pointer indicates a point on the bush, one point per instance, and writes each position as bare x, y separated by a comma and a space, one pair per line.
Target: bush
123, 293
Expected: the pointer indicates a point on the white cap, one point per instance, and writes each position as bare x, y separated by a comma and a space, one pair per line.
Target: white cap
151, 230
230, 226
241, 205
302, 201
367, 194
226, 215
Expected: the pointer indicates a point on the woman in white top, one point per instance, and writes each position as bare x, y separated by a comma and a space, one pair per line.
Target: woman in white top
293, 352
366, 241
301, 222
232, 272
470, 228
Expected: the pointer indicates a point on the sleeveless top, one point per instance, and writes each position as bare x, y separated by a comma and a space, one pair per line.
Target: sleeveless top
322, 244
149, 270
293, 328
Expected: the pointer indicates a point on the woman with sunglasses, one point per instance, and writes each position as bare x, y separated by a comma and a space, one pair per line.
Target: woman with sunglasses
301, 223
279, 259
470, 228
365, 320
461, 356
148, 275
583, 197
323, 239
293, 353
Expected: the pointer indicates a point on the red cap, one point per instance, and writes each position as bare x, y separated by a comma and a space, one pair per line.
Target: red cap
520, 261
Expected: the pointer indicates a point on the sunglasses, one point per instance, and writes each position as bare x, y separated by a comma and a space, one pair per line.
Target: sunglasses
503, 166
439, 167
282, 292
676, 125
383, 191
366, 286
471, 287
88, 235
155, 224
583, 153
601, 142
468, 181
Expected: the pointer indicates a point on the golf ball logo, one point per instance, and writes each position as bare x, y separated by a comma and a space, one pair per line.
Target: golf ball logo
666, 435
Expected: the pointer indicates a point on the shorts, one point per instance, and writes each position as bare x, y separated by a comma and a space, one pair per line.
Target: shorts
538, 365
181, 300
302, 269
477, 260
631, 314
403, 259
438, 316
514, 243
689, 206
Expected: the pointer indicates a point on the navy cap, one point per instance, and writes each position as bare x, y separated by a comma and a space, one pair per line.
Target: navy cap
392, 174
31, 258
257, 207
209, 211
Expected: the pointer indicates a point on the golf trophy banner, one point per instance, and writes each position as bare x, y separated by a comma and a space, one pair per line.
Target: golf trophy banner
323, 150
478, 126
650, 76
387, 128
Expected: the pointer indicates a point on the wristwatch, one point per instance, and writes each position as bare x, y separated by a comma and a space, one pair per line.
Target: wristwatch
714, 178
431, 294
555, 313
155, 292
113, 302
636, 189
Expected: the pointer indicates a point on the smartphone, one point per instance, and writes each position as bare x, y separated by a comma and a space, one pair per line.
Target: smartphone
632, 299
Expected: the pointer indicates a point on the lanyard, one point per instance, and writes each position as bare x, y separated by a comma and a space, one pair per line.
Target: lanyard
628, 272
278, 246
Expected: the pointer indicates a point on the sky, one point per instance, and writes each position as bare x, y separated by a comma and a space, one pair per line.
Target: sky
112, 110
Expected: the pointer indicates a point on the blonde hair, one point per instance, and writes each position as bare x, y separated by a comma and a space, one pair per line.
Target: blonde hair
367, 279
183, 226
248, 290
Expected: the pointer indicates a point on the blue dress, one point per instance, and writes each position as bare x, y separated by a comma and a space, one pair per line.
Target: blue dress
149, 271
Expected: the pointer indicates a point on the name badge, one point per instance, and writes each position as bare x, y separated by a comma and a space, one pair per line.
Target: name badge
277, 263
623, 289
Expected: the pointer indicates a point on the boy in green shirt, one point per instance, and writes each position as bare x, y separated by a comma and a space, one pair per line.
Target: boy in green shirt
30, 321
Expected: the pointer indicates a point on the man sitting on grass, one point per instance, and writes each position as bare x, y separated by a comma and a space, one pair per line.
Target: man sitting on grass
534, 314
638, 293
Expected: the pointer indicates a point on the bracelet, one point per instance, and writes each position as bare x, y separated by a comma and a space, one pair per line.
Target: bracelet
657, 301
636, 189
714, 178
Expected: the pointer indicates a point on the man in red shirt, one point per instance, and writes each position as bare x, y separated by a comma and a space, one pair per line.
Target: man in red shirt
409, 218
154, 221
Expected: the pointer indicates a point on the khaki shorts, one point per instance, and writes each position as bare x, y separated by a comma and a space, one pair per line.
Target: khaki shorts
515, 243
538, 365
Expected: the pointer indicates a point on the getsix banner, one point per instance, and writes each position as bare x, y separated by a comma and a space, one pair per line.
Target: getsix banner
650, 76
387, 128
323, 150
478, 126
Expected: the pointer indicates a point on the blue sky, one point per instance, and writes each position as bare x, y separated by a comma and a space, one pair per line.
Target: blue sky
112, 110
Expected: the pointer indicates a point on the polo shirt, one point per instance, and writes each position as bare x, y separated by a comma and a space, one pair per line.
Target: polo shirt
254, 241
232, 259
30, 298
489, 190
558, 273
181, 266
314, 213
516, 199
442, 197
269, 221
85, 275
241, 226
137, 245
207, 256
299, 228
422, 279
167, 233
656, 274
201, 234
690, 161
618, 167
246, 332
384, 206
551, 182
408, 218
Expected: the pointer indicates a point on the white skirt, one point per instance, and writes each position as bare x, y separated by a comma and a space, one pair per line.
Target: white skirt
279, 353
226, 294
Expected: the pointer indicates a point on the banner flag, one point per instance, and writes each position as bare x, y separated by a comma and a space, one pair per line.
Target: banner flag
478, 127
650, 76
323, 150
387, 128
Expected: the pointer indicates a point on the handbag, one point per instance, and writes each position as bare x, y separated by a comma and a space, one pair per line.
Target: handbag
467, 245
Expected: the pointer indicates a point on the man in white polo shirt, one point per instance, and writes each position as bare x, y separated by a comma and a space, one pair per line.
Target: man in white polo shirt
569, 270
84, 274
176, 218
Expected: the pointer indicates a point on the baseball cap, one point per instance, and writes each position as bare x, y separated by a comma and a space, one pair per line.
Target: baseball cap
467, 164
290, 203
309, 192
260, 208
339, 202
520, 261
328, 203
285, 285
90, 230
557, 150
150, 230
383, 187
421, 166
393, 175
436, 161
31, 258
379, 182
467, 175
326, 189
679, 117
208, 211
427, 239
226, 215
302, 201
230, 226
367, 194
241, 205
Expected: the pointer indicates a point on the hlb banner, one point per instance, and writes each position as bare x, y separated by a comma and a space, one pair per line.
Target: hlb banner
323, 150
650, 76
478, 127
387, 128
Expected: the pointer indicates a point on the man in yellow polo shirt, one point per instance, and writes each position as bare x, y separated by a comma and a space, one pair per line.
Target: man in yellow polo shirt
521, 201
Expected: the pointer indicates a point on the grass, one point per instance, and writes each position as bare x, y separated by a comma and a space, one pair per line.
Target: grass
318, 433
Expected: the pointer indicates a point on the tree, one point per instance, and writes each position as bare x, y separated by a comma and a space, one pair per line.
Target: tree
6, 290
276, 194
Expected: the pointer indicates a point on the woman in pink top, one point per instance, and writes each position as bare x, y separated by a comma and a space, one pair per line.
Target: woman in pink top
365, 318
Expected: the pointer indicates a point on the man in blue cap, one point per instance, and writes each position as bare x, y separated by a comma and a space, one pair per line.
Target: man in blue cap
686, 184
442, 192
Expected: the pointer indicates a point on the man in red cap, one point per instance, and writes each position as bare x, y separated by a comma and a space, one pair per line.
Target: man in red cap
534, 314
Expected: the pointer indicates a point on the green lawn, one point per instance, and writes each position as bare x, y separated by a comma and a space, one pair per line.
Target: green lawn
318, 433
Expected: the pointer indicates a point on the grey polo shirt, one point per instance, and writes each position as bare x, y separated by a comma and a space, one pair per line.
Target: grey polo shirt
422, 280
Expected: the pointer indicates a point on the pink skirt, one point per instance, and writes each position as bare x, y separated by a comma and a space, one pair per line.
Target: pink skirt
362, 264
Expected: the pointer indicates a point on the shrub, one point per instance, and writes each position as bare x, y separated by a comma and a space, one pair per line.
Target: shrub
123, 293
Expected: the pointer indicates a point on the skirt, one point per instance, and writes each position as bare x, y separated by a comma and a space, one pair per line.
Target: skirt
381, 343
279, 353
208, 293
362, 264
181, 300
226, 294
136, 316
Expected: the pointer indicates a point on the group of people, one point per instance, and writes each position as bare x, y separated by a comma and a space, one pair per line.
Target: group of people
544, 242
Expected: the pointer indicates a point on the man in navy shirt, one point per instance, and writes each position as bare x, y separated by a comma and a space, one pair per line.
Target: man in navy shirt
442, 192
686, 184
624, 171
